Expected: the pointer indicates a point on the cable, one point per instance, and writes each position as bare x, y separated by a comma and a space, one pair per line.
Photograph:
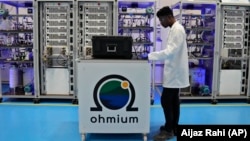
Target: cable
136, 52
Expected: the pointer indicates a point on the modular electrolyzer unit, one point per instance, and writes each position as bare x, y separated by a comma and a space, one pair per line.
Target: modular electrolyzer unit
94, 18
55, 24
16, 49
233, 76
138, 19
199, 20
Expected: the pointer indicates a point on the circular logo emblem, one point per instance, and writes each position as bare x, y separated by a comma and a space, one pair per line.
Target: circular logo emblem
114, 92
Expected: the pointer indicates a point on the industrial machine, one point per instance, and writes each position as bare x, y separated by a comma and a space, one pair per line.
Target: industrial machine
199, 20
138, 20
55, 45
16, 49
94, 18
233, 48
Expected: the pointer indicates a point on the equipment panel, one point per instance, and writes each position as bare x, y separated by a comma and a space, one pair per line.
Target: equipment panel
137, 19
234, 51
16, 49
94, 18
55, 23
199, 21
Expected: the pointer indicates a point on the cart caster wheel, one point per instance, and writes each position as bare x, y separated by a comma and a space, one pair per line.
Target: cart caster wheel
36, 101
145, 138
83, 137
152, 102
75, 101
214, 101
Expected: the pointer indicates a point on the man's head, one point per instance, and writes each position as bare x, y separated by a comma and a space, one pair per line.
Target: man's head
166, 16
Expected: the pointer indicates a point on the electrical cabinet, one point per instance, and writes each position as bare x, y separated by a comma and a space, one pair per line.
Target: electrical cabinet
94, 18
55, 46
199, 20
16, 49
233, 48
138, 19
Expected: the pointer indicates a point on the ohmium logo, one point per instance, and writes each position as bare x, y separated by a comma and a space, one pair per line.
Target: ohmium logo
114, 92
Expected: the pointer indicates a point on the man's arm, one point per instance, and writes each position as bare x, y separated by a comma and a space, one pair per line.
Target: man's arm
174, 42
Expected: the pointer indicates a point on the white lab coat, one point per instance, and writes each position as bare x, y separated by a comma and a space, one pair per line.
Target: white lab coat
175, 56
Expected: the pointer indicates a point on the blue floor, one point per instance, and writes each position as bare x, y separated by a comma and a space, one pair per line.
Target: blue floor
25, 121
59, 122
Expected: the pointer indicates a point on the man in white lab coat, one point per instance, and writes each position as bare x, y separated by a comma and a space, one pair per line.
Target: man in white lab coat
176, 71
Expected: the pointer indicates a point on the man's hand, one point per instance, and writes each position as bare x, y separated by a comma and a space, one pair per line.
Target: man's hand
151, 56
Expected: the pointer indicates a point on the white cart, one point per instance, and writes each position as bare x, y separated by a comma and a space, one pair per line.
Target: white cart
114, 96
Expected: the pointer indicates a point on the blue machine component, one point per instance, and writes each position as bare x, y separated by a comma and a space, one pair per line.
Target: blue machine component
29, 88
136, 4
4, 13
204, 90
18, 3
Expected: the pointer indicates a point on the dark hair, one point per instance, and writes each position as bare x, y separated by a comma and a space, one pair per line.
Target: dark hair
165, 11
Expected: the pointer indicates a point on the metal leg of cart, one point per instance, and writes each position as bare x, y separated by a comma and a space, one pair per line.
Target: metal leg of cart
145, 137
152, 95
83, 136
152, 100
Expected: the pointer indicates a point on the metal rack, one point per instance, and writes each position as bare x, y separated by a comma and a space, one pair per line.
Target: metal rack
233, 51
55, 45
199, 19
138, 19
94, 18
16, 49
